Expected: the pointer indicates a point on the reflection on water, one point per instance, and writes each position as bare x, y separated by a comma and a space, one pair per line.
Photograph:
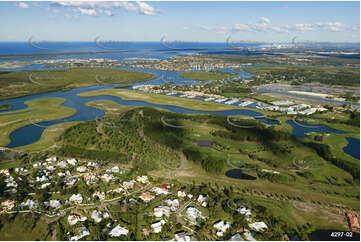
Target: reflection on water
238, 174
353, 147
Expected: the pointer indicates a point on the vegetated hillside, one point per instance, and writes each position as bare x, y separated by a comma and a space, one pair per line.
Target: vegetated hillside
149, 138
135, 136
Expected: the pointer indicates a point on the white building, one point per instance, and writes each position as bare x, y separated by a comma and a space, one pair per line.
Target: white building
55, 204
76, 198
157, 226
142, 179
221, 227
118, 231
72, 161
83, 232
96, 216
258, 226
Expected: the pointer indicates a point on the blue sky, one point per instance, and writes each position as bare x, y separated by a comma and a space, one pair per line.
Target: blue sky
187, 21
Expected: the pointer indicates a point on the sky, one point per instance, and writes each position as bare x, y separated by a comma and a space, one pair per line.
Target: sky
180, 21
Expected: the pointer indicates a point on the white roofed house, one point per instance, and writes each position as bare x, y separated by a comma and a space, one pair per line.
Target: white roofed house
128, 184
114, 169
52, 159
244, 211
118, 231
82, 232
92, 164
74, 218
62, 164
76, 198
71, 181
56, 204
82, 169
258, 226
72, 161
161, 210
202, 200
45, 185
97, 216
159, 191
142, 179
181, 194
30, 204
182, 236
193, 213
157, 226
146, 197
221, 227
174, 204
107, 177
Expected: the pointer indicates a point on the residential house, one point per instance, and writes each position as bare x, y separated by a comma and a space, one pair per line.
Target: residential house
74, 218
161, 210
182, 236
221, 227
159, 191
118, 231
82, 232
55, 204
142, 179
72, 161
76, 198
146, 197
258, 226
157, 226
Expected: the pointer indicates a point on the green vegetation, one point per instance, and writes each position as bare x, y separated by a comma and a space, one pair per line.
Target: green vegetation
302, 75
42, 109
16, 84
23, 227
205, 76
131, 137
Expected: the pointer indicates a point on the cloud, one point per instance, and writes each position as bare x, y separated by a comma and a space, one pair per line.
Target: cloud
90, 12
264, 25
265, 20
23, 5
106, 8
145, 8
